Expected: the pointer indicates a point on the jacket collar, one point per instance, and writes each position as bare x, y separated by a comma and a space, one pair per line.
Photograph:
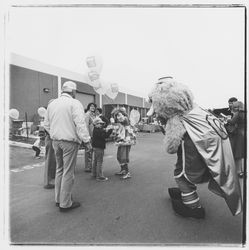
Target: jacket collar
66, 95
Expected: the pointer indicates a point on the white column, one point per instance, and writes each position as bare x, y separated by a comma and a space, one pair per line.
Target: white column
126, 99
59, 86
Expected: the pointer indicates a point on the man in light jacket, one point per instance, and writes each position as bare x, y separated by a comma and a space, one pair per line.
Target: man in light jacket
65, 123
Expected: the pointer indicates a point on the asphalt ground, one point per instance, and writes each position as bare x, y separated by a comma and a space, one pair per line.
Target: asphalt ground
136, 211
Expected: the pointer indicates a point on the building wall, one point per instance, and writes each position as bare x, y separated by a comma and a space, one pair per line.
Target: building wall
134, 101
120, 99
26, 90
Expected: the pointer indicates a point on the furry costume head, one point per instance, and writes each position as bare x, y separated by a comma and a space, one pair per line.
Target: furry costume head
171, 100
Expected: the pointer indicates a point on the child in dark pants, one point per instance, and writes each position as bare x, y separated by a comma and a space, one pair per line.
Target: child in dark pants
99, 144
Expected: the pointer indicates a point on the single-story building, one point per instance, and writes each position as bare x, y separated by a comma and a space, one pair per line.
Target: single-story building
32, 84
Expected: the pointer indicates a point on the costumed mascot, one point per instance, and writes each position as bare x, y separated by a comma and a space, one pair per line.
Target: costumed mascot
203, 149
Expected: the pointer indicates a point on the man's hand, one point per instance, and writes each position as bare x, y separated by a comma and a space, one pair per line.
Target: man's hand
88, 146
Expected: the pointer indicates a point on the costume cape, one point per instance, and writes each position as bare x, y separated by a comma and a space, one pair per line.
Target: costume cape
211, 140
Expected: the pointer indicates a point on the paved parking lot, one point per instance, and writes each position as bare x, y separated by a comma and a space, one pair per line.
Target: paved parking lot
133, 211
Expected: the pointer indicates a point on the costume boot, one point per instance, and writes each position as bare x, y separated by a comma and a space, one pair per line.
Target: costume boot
185, 211
175, 193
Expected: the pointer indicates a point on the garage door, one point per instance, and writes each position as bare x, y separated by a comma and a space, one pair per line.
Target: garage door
85, 98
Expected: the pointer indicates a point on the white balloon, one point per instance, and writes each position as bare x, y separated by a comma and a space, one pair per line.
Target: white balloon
134, 117
112, 90
96, 84
93, 75
41, 111
101, 88
14, 114
94, 62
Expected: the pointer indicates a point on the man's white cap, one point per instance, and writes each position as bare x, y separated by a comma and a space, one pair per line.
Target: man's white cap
69, 86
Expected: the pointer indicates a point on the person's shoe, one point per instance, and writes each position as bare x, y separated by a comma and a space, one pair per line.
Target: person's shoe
102, 178
88, 170
121, 172
75, 204
175, 193
126, 176
37, 157
57, 204
183, 210
49, 186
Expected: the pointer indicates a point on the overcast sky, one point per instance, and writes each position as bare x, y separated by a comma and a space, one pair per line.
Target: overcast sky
201, 47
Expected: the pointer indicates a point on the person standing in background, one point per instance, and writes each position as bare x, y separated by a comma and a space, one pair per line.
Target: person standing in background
50, 162
227, 113
65, 123
99, 114
238, 120
89, 117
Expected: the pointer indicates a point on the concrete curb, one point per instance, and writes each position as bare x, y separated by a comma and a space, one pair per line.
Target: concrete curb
20, 144
26, 145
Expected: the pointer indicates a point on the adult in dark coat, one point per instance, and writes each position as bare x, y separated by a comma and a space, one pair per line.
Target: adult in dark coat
225, 111
238, 120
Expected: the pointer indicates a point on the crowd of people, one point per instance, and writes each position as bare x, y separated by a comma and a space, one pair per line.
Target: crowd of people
68, 127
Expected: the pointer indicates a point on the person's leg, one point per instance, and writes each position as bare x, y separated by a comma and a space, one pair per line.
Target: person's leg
189, 204
50, 163
239, 166
70, 150
125, 160
88, 160
37, 151
59, 169
100, 165
188, 192
94, 166
190, 169
119, 158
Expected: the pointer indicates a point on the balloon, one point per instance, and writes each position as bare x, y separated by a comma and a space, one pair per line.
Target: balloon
41, 111
14, 114
134, 117
93, 75
94, 63
96, 84
112, 91
101, 88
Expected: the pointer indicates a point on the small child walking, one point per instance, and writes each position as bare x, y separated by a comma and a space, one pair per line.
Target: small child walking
125, 138
39, 142
99, 145
37, 148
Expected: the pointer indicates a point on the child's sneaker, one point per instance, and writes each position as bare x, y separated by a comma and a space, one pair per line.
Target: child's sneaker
126, 176
102, 178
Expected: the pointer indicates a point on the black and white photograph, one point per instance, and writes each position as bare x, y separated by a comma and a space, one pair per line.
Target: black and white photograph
124, 124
